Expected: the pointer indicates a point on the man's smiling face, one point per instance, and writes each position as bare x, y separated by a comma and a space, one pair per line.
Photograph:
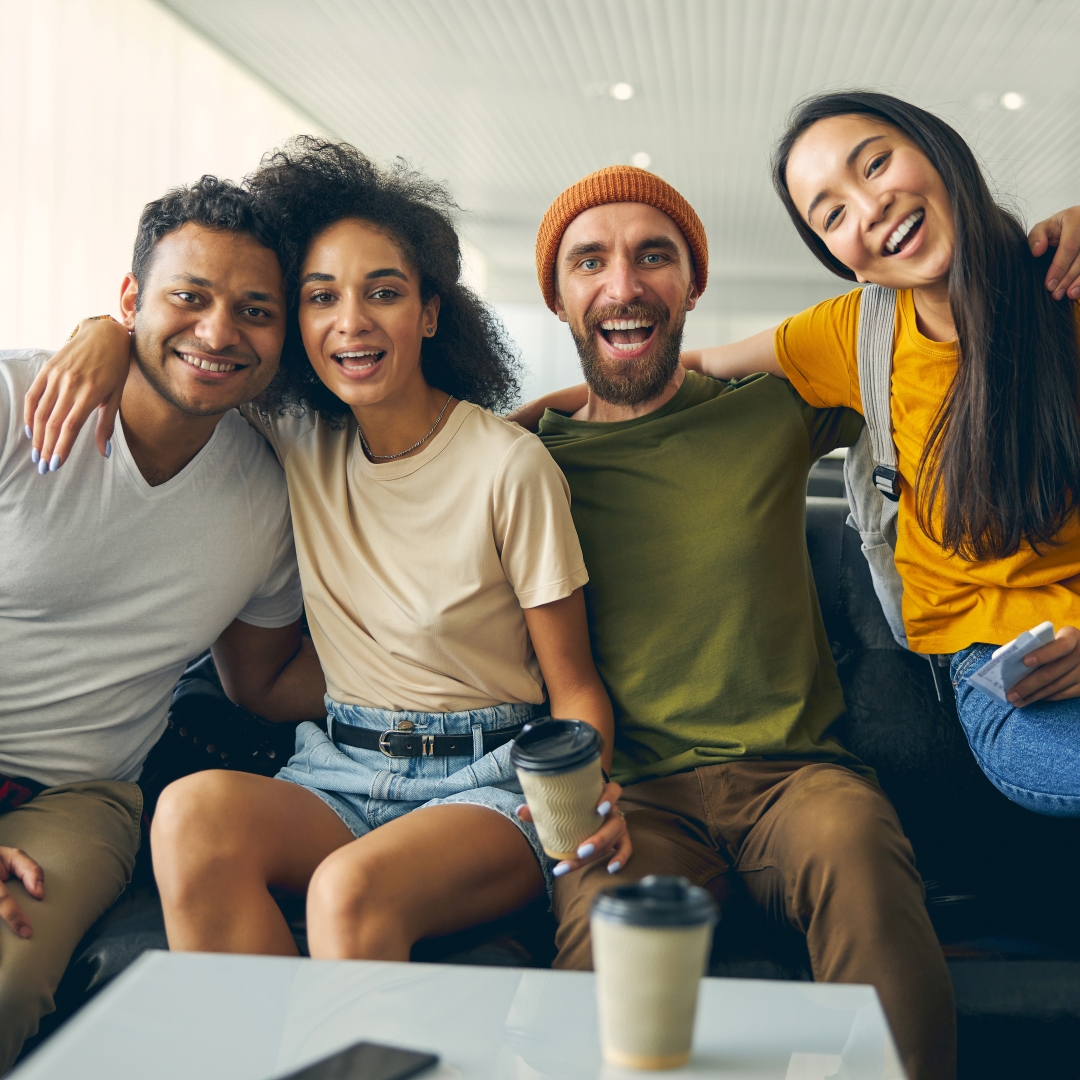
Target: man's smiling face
209, 318
624, 283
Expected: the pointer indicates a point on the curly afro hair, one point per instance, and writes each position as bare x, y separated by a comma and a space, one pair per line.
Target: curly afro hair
310, 184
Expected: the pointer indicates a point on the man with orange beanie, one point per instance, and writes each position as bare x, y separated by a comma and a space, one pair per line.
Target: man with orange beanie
688, 497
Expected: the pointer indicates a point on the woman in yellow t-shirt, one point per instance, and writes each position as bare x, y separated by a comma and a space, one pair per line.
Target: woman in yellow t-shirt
442, 580
985, 409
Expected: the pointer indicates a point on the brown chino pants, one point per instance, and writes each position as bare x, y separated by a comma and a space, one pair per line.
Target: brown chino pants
85, 837
813, 844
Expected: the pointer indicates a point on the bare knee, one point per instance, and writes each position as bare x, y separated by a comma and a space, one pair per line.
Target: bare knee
191, 831
351, 910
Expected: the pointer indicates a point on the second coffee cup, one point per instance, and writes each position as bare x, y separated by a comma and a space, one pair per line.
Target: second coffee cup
650, 945
558, 765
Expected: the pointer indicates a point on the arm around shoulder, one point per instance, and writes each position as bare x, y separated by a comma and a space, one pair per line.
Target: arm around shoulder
737, 360
567, 400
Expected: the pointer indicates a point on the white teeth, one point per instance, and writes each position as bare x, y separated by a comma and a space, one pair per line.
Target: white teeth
359, 360
902, 230
624, 324
629, 346
206, 365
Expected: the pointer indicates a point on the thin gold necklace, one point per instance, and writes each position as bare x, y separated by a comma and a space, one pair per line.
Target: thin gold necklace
392, 457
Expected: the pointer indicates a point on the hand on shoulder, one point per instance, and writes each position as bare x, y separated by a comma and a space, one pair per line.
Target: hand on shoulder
87, 373
1061, 231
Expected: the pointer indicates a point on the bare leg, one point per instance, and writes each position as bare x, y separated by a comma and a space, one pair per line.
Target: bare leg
431, 872
219, 841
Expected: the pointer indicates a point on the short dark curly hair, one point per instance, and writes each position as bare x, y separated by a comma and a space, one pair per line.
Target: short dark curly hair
310, 184
210, 202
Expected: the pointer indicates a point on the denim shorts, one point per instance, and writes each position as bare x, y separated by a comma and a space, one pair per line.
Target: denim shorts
366, 789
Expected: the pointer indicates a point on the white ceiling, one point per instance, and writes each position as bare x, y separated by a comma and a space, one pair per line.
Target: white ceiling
508, 101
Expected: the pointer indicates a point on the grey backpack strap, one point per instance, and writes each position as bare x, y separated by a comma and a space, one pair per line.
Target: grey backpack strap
877, 322
870, 473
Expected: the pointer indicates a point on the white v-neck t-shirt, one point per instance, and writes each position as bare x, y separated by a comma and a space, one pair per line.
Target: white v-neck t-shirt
109, 586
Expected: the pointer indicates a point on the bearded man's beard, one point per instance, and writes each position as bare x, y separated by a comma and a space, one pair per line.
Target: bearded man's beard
630, 382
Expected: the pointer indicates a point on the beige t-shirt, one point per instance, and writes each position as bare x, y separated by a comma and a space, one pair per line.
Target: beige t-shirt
415, 572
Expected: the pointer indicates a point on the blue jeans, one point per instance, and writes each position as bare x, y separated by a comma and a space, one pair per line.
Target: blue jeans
1031, 755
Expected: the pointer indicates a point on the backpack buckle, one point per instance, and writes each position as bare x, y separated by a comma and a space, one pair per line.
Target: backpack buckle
887, 481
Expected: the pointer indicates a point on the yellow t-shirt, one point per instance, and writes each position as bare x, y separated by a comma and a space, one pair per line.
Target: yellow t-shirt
415, 572
949, 603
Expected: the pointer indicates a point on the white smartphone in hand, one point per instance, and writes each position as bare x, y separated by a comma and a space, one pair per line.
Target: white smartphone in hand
1006, 666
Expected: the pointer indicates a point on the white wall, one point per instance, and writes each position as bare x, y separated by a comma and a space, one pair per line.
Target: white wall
104, 104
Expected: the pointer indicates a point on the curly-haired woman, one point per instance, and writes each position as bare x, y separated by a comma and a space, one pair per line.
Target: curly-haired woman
443, 584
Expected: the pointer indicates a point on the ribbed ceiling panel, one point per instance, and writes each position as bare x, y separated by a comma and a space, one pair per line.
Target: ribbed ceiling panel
507, 99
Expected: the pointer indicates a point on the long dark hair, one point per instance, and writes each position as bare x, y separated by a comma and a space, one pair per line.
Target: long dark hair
1003, 456
310, 184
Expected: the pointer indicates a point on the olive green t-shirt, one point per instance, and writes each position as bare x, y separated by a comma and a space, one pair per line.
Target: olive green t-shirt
704, 618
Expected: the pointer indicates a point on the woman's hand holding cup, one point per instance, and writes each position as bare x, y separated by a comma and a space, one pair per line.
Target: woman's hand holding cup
611, 841
568, 798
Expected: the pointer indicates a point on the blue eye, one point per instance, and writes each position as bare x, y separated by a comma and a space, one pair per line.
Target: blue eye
590, 264
652, 259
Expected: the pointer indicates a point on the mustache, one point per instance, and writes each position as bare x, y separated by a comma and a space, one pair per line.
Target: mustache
643, 311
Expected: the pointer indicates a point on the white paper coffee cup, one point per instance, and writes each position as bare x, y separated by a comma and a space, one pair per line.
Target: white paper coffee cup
650, 945
558, 766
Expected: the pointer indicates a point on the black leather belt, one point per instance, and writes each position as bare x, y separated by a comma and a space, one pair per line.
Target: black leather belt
404, 741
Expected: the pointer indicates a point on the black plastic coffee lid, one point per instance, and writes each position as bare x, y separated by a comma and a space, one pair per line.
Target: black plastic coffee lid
552, 746
656, 901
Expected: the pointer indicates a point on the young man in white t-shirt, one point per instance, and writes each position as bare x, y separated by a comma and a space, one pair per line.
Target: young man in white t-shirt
116, 570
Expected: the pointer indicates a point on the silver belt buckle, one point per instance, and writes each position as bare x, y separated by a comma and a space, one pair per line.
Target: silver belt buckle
404, 728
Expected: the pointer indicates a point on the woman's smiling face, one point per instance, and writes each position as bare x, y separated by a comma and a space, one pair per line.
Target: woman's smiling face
875, 199
361, 314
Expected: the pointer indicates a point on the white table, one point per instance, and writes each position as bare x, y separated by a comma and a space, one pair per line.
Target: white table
185, 1016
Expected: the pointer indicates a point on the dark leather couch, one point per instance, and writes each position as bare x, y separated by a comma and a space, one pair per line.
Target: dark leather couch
1001, 883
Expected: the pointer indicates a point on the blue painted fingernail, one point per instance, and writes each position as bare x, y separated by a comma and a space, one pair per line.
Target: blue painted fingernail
55, 463
603, 808
42, 465
29, 431
562, 868
35, 457
585, 850
614, 868
108, 448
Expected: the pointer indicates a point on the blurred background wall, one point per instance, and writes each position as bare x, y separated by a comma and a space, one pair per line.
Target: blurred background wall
105, 103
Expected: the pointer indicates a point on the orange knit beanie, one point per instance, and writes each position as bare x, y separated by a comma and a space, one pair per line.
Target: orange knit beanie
617, 183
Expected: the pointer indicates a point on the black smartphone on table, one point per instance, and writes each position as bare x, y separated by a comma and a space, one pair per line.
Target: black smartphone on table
367, 1061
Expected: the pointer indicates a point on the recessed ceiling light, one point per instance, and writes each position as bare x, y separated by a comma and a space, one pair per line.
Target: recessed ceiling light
621, 91
641, 159
1012, 100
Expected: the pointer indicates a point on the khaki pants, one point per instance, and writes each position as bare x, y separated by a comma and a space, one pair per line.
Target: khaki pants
85, 837
814, 844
